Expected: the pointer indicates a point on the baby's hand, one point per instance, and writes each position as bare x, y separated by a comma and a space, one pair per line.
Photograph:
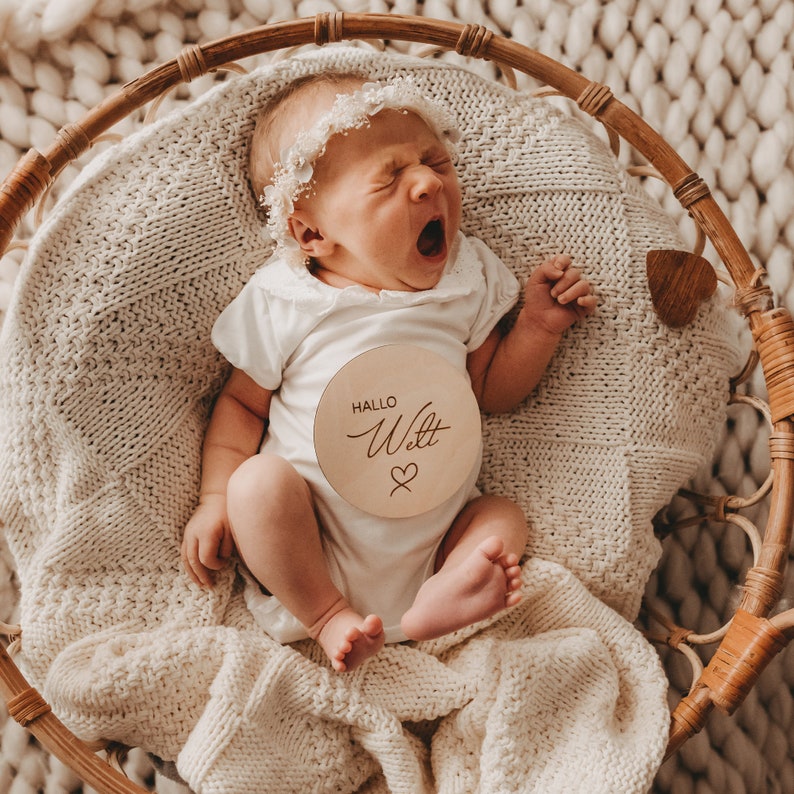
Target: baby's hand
207, 543
556, 295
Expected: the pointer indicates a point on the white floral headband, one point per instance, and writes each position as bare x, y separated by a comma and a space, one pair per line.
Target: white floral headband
293, 173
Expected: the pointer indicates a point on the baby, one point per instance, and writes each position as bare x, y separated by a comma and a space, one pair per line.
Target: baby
364, 203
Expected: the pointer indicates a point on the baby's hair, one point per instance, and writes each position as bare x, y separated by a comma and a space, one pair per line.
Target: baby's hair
265, 142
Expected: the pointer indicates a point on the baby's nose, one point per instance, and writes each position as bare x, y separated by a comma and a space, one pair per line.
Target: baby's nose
425, 184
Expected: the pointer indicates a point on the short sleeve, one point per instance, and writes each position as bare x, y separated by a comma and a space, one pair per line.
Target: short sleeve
500, 295
245, 334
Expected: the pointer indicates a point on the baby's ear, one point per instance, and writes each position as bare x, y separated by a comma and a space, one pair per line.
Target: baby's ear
307, 235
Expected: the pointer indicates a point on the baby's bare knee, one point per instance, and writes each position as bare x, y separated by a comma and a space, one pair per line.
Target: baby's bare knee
509, 510
264, 495
506, 518
264, 477
497, 508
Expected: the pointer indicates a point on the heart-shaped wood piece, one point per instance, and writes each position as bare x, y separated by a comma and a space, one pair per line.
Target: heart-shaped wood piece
679, 282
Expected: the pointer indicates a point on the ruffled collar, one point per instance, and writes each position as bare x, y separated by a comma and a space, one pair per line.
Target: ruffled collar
462, 276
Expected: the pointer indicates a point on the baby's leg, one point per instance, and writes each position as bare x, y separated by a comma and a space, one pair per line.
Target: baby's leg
272, 519
477, 573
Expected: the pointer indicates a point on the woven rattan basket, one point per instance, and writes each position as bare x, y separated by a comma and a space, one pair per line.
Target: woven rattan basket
752, 638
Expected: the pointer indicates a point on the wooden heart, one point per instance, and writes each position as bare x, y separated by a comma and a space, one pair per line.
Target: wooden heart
679, 282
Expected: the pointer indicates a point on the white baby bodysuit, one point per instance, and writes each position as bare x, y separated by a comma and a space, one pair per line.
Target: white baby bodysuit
291, 333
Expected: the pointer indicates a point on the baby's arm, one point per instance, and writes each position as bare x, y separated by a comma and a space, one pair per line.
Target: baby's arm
504, 370
233, 435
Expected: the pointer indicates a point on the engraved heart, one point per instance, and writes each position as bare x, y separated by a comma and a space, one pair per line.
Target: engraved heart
403, 475
679, 282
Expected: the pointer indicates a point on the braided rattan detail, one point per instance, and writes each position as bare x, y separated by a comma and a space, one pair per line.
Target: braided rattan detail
774, 338
781, 445
474, 41
328, 27
722, 507
191, 63
28, 706
594, 98
23, 186
690, 714
690, 189
756, 297
762, 589
593, 101
74, 139
677, 637
750, 644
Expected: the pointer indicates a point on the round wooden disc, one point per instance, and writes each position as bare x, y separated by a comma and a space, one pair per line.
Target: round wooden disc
397, 431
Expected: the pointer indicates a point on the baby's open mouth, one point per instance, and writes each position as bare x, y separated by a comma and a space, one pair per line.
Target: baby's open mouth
431, 241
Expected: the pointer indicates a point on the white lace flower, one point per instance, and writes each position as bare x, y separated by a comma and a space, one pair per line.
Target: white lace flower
293, 174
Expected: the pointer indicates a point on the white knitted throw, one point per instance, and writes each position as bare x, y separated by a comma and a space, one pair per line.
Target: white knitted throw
107, 378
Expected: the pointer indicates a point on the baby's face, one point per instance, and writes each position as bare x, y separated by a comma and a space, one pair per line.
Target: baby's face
386, 203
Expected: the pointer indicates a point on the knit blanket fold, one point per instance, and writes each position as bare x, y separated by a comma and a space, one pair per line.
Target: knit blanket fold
526, 702
106, 380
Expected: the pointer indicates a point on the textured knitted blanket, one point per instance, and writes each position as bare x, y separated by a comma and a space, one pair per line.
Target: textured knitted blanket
107, 378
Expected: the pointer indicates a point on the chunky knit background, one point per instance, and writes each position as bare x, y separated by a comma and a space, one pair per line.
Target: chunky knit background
714, 78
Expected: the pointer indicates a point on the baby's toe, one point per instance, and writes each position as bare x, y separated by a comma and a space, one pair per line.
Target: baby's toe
513, 572
372, 626
492, 548
512, 599
352, 635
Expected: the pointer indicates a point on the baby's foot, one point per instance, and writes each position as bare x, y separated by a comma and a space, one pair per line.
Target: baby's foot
485, 583
349, 640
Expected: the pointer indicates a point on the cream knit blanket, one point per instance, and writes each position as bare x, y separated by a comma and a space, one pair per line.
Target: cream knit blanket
107, 378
